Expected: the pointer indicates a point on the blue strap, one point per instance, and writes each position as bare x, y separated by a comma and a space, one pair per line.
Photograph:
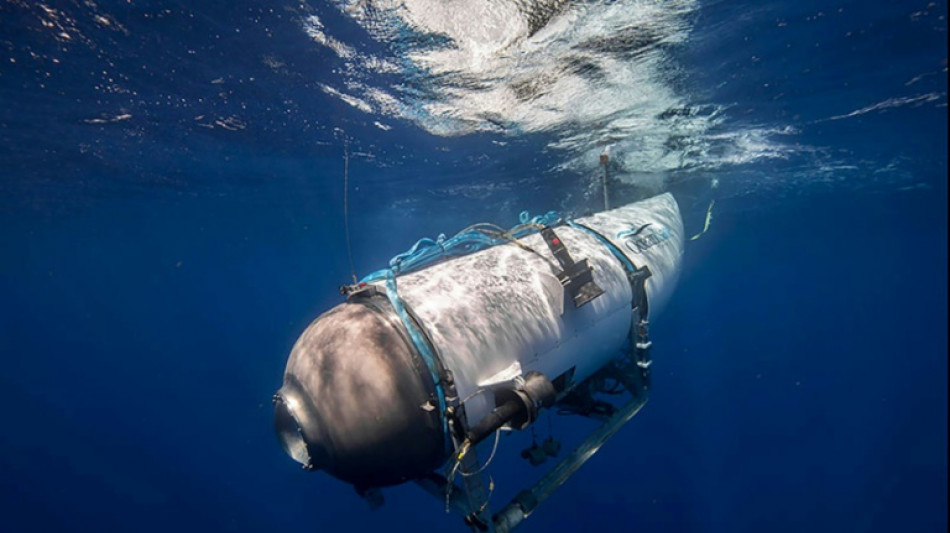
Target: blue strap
422, 347
624, 260
632, 271
427, 251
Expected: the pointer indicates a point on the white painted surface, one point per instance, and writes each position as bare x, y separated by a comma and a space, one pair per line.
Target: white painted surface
498, 308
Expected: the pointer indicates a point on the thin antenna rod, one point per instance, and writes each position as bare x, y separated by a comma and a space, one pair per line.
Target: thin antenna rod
346, 205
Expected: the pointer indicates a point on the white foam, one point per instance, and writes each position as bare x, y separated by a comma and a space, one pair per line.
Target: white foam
313, 27
352, 100
592, 74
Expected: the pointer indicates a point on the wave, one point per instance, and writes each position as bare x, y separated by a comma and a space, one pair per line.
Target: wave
590, 75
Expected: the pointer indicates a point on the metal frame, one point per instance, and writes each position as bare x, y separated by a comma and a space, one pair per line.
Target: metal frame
471, 499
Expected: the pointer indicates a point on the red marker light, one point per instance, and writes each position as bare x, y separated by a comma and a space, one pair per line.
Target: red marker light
556, 242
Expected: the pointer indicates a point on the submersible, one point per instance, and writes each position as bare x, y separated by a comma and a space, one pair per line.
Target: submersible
420, 364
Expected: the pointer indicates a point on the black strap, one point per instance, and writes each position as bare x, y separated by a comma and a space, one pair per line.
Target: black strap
638, 279
575, 277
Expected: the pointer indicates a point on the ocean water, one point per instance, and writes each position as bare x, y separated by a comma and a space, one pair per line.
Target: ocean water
172, 217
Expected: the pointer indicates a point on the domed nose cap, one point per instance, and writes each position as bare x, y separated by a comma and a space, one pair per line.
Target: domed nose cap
297, 428
354, 389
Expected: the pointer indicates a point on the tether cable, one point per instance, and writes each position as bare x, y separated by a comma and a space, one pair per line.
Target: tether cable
346, 206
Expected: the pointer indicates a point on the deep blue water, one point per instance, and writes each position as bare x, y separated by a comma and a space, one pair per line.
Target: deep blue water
171, 186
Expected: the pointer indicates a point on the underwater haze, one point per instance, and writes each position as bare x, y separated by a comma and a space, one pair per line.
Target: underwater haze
172, 218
